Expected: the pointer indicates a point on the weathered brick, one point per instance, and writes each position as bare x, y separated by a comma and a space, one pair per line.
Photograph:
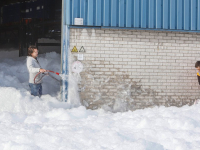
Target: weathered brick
156, 64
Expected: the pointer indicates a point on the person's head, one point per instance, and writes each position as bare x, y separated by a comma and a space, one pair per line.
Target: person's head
33, 51
197, 65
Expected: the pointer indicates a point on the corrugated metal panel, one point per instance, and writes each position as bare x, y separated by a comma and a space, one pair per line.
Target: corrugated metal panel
144, 14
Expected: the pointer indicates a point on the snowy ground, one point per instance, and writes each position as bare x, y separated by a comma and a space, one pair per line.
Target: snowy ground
30, 123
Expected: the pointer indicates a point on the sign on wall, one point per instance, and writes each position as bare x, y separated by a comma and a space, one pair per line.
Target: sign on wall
77, 67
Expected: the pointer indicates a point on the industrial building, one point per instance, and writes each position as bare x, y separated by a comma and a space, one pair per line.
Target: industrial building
32, 22
137, 53
130, 54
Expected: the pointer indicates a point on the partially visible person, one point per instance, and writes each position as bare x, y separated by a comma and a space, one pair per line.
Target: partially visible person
197, 66
34, 68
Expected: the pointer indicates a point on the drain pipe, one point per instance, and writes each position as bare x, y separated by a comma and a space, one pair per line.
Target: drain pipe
65, 43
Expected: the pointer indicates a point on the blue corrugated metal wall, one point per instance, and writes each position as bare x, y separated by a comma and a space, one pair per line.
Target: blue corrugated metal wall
144, 14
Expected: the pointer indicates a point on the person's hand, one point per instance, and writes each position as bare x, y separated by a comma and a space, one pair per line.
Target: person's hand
42, 70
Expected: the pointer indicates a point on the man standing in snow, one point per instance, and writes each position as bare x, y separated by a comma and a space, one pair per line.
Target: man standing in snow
34, 68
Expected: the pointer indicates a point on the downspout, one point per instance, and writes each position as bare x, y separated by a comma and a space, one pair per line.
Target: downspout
65, 43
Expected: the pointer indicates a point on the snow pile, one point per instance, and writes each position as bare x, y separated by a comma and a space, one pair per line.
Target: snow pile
31, 123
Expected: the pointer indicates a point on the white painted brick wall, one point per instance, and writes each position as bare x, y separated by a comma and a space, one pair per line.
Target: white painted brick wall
137, 68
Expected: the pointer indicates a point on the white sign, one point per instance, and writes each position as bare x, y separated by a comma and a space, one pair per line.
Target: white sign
77, 67
78, 21
80, 56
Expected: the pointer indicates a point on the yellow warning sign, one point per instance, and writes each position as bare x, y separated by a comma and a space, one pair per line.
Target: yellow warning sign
74, 49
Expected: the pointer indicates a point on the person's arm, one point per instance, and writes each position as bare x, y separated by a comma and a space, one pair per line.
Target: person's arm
31, 68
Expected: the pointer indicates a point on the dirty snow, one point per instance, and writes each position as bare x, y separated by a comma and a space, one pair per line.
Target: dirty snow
31, 123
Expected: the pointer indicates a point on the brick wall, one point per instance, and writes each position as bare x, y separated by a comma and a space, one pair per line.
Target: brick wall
134, 69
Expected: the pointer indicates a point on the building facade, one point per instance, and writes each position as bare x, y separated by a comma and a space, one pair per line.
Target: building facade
138, 54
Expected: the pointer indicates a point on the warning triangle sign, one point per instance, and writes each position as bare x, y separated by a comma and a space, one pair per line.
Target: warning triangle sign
82, 49
74, 49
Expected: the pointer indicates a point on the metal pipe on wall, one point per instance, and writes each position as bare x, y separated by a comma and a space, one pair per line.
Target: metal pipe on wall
65, 37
